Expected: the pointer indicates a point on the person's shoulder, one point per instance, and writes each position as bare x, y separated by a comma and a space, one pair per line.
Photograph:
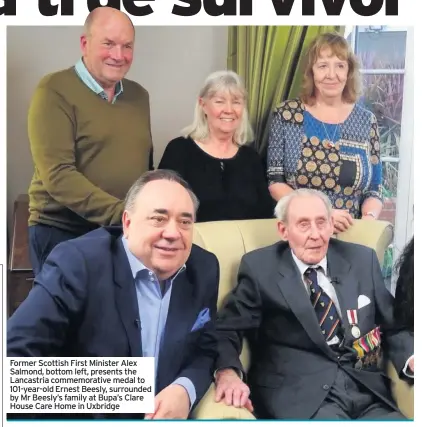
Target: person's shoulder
203, 272
177, 154
290, 110
134, 87
94, 243
268, 254
201, 255
363, 113
57, 79
201, 264
248, 149
179, 144
249, 152
350, 249
180, 141
293, 104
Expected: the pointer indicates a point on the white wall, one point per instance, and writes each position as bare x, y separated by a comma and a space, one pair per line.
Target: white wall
170, 62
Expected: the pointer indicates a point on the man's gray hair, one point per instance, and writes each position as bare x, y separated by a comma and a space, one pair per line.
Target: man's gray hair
156, 175
281, 210
220, 81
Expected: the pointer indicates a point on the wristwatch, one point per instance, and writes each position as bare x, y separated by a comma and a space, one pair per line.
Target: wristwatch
370, 213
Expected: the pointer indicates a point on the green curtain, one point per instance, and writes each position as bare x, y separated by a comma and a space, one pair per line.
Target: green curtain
268, 58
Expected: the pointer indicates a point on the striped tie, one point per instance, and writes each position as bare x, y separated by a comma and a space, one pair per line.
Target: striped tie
325, 310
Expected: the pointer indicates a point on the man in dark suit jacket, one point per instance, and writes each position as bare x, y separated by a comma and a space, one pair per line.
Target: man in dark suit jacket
148, 292
310, 307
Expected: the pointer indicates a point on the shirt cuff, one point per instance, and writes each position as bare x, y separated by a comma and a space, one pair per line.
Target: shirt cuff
406, 370
187, 384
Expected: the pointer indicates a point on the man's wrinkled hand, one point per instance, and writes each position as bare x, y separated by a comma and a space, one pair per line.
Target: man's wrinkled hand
171, 403
232, 389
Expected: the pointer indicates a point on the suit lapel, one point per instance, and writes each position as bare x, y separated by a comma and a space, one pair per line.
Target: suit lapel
294, 291
126, 299
180, 319
345, 286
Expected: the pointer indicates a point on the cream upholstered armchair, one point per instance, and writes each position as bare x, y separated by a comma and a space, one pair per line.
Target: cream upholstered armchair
230, 240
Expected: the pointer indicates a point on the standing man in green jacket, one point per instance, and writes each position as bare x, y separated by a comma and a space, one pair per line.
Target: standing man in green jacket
90, 136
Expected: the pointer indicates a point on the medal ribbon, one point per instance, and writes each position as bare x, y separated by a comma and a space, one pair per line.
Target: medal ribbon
368, 342
352, 316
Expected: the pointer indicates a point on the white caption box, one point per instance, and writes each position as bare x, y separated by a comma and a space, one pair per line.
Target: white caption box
80, 385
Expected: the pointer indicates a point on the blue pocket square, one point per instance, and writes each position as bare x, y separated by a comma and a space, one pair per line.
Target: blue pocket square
203, 317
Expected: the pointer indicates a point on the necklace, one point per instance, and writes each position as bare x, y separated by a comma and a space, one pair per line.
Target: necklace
331, 142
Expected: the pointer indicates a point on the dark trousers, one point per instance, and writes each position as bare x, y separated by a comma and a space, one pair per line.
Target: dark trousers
347, 400
42, 240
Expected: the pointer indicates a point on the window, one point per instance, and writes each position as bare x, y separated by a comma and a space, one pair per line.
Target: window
386, 58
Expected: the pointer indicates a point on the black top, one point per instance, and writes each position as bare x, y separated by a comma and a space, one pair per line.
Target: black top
227, 189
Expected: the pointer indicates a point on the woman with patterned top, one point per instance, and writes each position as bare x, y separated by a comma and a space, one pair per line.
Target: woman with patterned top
325, 140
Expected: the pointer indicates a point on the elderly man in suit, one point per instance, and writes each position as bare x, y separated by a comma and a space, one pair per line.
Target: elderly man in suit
317, 314
146, 292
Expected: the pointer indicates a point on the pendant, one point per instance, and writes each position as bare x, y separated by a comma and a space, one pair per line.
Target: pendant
355, 331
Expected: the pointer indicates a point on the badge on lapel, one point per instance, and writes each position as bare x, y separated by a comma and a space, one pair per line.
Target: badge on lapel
352, 316
203, 317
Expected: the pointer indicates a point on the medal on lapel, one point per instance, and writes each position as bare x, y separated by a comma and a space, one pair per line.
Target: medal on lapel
366, 348
355, 331
359, 364
352, 316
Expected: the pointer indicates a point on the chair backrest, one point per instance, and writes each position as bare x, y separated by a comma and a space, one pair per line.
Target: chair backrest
230, 240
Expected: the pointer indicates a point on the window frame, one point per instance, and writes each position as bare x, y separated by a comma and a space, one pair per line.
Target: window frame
404, 217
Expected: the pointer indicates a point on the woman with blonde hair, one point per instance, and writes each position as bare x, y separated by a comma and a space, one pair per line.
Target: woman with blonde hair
226, 175
325, 140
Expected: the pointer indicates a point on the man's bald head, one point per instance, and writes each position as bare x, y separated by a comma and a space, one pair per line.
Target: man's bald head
104, 13
107, 46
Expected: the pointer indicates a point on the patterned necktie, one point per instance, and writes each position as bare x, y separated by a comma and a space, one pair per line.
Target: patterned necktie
325, 310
